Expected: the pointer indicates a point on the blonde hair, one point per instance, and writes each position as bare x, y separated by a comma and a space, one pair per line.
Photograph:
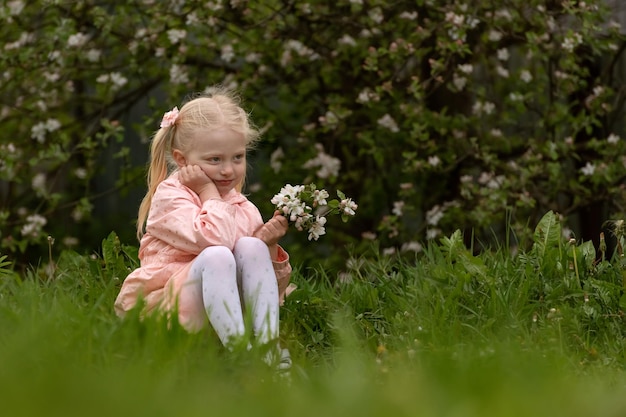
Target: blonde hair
216, 108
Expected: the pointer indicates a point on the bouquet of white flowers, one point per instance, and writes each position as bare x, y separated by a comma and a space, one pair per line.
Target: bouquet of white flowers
298, 202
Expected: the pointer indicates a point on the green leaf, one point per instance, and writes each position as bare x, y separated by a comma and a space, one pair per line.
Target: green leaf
547, 233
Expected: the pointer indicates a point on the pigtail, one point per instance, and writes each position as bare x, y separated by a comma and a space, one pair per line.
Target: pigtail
157, 172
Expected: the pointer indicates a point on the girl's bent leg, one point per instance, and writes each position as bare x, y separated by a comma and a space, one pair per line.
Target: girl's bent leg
259, 287
216, 270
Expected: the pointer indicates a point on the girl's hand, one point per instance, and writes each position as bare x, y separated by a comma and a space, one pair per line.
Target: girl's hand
199, 182
272, 231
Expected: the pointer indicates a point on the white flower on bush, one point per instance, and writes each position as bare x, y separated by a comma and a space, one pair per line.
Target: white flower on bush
434, 215
80, 173
526, 76
571, 42
275, 159
77, 40
459, 82
481, 107
376, 15
33, 226
347, 40
227, 53
504, 14
176, 35
612, 139
178, 74
398, 206
388, 122
297, 203
411, 246
15, 7
39, 130
39, 183
495, 36
466, 68
434, 161
502, 72
328, 165
116, 79
408, 15
588, 169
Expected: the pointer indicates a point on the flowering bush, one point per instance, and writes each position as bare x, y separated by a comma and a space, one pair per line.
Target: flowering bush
307, 207
435, 115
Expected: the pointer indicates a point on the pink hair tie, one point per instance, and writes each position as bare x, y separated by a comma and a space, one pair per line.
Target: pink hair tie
170, 117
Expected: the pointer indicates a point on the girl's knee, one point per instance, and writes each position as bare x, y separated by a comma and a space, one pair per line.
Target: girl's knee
250, 244
215, 255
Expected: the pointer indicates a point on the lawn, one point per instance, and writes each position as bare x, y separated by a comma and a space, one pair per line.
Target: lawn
450, 333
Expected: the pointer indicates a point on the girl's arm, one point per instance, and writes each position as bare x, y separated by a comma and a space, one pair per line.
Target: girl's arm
180, 219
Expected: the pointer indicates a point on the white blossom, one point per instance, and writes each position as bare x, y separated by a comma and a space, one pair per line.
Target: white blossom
398, 206
434, 215
526, 76
389, 251
39, 183
227, 53
347, 206
612, 139
588, 169
317, 228
77, 40
502, 72
33, 226
459, 82
347, 40
388, 122
15, 7
571, 42
297, 202
328, 165
481, 107
275, 159
408, 15
116, 79
376, 15
38, 131
93, 55
503, 54
411, 247
466, 68
176, 35
80, 173
494, 35
434, 160
369, 235
504, 14
432, 233
192, 19
178, 74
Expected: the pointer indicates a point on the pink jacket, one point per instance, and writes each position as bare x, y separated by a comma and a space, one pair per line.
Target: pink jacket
178, 228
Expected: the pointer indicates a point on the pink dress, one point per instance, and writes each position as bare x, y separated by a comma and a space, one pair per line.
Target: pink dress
178, 228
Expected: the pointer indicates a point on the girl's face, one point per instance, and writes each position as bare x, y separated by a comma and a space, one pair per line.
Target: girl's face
220, 153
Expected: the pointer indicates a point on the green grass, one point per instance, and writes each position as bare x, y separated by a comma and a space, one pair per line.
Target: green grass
448, 334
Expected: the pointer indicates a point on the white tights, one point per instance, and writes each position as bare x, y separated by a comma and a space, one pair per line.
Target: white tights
238, 281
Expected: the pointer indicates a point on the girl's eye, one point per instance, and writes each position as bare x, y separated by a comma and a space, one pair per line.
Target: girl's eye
239, 157
214, 159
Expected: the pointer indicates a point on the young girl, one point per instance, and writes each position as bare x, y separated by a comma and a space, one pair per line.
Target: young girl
206, 253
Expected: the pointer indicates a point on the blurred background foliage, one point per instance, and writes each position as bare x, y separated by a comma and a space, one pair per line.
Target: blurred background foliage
433, 115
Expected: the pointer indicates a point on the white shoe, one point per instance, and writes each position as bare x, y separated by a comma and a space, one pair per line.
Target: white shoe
284, 364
